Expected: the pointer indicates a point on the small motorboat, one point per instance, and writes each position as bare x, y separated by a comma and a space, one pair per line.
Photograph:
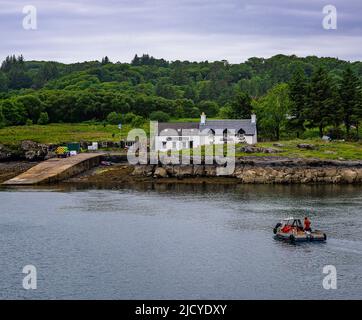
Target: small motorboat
291, 229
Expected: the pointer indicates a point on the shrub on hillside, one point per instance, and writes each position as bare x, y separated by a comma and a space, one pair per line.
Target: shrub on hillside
43, 118
114, 118
159, 116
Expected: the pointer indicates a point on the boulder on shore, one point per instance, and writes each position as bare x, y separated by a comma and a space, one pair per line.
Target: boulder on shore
306, 146
160, 172
33, 151
253, 149
5, 153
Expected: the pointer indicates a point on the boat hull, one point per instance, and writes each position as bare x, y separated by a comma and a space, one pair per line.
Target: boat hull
302, 237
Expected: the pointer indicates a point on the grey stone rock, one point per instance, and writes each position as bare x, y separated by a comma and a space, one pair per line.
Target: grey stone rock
160, 172
5, 153
306, 146
253, 149
34, 151
184, 171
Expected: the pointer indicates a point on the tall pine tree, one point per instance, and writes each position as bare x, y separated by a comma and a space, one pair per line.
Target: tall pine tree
320, 107
349, 98
2, 118
357, 114
298, 98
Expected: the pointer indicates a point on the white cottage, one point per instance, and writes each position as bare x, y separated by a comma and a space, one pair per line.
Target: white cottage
185, 135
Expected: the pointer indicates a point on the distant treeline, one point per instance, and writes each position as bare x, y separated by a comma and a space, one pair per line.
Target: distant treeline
289, 94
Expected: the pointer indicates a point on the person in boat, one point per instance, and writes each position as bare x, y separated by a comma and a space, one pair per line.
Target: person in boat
307, 224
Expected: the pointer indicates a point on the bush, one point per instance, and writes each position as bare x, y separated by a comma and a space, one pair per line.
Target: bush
159, 116
310, 134
2, 119
335, 133
43, 118
14, 112
29, 122
210, 108
137, 121
194, 112
224, 112
128, 118
114, 118
352, 136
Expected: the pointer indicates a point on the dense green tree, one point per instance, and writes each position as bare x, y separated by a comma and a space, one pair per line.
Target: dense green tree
349, 98
14, 112
10, 62
188, 107
128, 117
2, 118
48, 71
168, 91
320, 106
298, 95
272, 110
15, 69
210, 108
3, 82
137, 121
357, 115
32, 105
179, 75
190, 92
105, 60
194, 113
240, 106
159, 116
43, 118
224, 112
114, 118
18, 78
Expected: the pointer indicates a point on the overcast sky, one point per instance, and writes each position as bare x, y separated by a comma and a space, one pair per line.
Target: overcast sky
195, 30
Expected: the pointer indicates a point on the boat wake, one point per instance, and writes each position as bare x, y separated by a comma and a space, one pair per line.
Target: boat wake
349, 246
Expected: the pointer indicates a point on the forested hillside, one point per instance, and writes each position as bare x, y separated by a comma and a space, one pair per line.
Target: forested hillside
287, 93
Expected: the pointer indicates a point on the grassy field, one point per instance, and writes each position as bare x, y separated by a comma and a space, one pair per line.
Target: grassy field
62, 133
335, 150
67, 132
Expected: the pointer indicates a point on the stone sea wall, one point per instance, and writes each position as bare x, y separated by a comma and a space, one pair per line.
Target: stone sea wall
266, 171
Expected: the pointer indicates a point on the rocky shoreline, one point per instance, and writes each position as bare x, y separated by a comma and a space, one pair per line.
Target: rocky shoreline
248, 170
265, 170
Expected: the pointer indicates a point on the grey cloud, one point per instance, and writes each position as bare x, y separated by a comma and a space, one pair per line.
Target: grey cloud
190, 29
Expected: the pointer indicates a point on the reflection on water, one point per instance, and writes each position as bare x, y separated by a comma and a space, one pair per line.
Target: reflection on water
178, 241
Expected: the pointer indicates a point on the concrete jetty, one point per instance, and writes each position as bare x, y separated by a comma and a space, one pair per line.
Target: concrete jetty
56, 169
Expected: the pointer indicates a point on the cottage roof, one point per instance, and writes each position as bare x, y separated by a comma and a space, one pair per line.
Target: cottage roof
244, 124
164, 127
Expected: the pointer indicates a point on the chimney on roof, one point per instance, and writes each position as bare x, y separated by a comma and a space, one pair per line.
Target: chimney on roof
203, 119
253, 118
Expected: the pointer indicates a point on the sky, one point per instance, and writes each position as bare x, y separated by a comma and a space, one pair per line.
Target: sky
195, 30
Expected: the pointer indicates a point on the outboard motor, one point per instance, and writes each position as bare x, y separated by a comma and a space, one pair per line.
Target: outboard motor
276, 227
